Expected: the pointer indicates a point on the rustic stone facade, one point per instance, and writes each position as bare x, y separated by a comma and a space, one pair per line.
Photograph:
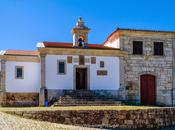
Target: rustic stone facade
2, 82
173, 74
136, 65
127, 119
43, 81
21, 99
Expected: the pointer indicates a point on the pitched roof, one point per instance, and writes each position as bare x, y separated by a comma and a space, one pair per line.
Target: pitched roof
141, 30
145, 30
21, 52
70, 45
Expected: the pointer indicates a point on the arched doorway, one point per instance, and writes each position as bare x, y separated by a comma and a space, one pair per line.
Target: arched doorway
148, 89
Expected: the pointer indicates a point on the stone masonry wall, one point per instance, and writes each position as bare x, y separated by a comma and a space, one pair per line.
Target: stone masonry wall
146, 118
159, 66
21, 99
173, 72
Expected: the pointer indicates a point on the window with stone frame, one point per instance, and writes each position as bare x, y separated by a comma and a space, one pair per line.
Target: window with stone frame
137, 48
19, 72
158, 48
102, 64
61, 66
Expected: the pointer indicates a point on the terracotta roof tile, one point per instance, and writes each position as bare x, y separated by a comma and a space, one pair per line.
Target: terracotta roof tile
146, 30
70, 45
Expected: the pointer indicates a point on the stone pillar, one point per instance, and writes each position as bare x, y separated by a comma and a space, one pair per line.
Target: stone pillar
122, 74
2, 83
43, 81
173, 70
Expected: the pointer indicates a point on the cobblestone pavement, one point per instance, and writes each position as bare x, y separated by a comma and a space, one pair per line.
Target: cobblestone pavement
10, 122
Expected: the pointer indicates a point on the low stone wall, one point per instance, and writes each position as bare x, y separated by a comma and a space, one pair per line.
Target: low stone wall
2, 98
143, 118
21, 99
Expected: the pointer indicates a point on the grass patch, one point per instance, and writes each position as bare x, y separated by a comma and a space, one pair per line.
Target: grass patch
76, 108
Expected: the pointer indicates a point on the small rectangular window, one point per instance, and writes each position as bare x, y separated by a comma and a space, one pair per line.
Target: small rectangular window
158, 48
102, 64
19, 72
137, 47
61, 67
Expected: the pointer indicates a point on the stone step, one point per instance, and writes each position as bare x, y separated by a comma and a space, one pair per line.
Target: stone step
78, 96
81, 97
88, 103
77, 102
82, 101
85, 98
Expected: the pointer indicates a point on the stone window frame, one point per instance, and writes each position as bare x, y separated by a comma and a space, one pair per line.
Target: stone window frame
65, 69
102, 64
132, 49
74, 75
16, 67
163, 48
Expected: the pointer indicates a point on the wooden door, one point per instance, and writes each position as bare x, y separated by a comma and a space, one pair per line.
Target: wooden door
81, 78
148, 89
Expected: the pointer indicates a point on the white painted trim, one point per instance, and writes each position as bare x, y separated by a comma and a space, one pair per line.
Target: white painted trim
40, 45
2, 52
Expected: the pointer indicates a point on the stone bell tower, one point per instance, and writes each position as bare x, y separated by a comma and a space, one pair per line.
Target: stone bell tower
80, 34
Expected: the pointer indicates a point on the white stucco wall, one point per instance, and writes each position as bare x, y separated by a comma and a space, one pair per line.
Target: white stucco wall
109, 82
31, 81
115, 43
53, 79
67, 81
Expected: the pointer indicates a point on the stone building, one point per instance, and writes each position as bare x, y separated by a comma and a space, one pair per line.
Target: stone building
134, 66
147, 72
